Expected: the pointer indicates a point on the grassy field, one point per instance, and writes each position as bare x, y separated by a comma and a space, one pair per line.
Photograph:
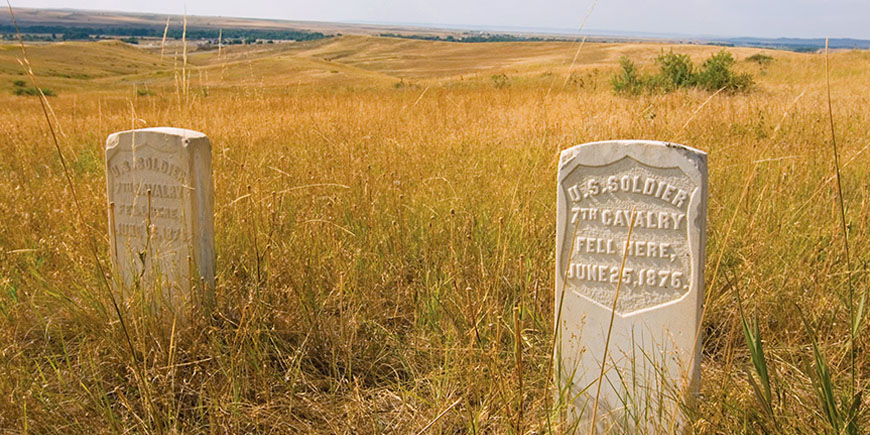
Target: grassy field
382, 207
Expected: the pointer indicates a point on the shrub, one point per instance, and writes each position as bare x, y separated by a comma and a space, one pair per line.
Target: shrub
760, 58
628, 80
19, 83
20, 90
716, 74
500, 80
675, 71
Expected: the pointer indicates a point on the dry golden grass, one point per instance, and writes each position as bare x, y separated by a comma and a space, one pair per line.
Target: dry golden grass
377, 225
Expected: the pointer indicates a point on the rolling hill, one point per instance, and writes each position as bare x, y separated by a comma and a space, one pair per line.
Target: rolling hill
347, 60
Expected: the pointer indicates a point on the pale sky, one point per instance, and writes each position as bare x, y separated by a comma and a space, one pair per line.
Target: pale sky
760, 18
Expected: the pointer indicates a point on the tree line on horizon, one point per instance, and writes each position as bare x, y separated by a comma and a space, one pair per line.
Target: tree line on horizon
71, 33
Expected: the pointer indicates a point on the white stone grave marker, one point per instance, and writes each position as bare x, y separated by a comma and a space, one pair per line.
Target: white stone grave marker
652, 358
161, 222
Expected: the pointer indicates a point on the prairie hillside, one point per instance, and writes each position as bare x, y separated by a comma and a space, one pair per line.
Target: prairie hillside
384, 206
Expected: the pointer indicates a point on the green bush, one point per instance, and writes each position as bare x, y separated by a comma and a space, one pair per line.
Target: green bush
20, 90
19, 83
716, 74
500, 80
760, 58
628, 80
677, 71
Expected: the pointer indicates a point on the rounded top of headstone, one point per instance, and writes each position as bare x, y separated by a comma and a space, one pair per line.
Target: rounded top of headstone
165, 138
172, 131
175, 131
651, 151
636, 142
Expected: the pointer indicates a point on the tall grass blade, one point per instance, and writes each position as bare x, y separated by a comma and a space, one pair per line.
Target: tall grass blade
843, 225
612, 316
163, 41
752, 335
822, 383
850, 423
859, 315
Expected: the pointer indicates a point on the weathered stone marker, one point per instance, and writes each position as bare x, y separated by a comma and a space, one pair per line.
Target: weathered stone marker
161, 222
652, 358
